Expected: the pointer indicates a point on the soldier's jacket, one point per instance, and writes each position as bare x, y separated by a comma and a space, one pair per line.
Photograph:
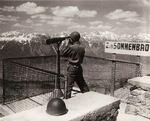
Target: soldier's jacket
74, 52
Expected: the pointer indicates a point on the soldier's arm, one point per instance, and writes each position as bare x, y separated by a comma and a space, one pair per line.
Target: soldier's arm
66, 51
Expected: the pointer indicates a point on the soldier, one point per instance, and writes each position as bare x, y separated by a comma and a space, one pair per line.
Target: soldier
74, 51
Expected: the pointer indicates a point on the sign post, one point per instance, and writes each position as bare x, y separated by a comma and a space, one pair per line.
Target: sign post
113, 74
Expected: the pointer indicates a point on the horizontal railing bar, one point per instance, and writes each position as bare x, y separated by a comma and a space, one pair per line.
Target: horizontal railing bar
94, 57
117, 60
31, 57
61, 75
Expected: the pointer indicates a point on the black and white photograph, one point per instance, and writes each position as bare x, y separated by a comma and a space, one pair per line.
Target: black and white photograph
75, 60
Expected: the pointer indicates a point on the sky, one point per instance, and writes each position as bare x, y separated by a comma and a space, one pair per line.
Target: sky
118, 16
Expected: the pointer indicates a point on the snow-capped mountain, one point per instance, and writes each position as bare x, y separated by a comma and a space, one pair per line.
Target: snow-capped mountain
100, 36
110, 36
140, 37
19, 44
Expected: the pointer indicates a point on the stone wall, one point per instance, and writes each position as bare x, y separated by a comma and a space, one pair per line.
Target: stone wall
138, 102
108, 113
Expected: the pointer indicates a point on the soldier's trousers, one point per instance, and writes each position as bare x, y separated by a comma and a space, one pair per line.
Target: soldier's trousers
75, 74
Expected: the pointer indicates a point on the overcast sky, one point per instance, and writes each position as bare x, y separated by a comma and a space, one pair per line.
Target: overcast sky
120, 16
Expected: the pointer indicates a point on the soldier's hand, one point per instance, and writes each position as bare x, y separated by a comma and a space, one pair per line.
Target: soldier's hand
67, 42
64, 43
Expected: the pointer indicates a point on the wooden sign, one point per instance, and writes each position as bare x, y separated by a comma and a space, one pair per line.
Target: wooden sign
129, 48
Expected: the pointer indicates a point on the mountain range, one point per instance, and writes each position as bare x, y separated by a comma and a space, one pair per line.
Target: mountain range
19, 44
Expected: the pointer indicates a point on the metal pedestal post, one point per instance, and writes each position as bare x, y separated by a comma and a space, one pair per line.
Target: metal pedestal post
57, 91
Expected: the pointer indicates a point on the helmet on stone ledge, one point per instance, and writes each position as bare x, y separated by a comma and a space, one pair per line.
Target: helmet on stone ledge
56, 107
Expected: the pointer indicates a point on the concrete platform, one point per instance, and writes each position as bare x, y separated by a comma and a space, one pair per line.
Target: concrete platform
78, 107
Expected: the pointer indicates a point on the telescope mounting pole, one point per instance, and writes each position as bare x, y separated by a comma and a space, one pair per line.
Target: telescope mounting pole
57, 91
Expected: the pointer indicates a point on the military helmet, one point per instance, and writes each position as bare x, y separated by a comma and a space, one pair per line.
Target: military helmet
75, 36
56, 107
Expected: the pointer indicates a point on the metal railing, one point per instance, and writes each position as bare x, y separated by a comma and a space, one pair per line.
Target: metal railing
22, 81
31, 76
106, 75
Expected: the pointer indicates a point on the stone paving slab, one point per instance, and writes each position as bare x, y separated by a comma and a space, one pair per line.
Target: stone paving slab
22, 105
128, 117
4, 110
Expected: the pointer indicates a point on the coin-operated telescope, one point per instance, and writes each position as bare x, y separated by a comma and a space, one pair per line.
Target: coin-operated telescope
57, 91
56, 40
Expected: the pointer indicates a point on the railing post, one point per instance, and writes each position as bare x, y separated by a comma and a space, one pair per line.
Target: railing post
65, 90
113, 74
3, 66
58, 67
138, 67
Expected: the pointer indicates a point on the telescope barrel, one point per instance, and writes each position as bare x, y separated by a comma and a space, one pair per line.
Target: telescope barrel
55, 40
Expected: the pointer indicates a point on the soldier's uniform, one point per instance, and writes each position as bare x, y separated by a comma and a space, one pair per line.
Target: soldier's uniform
75, 53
